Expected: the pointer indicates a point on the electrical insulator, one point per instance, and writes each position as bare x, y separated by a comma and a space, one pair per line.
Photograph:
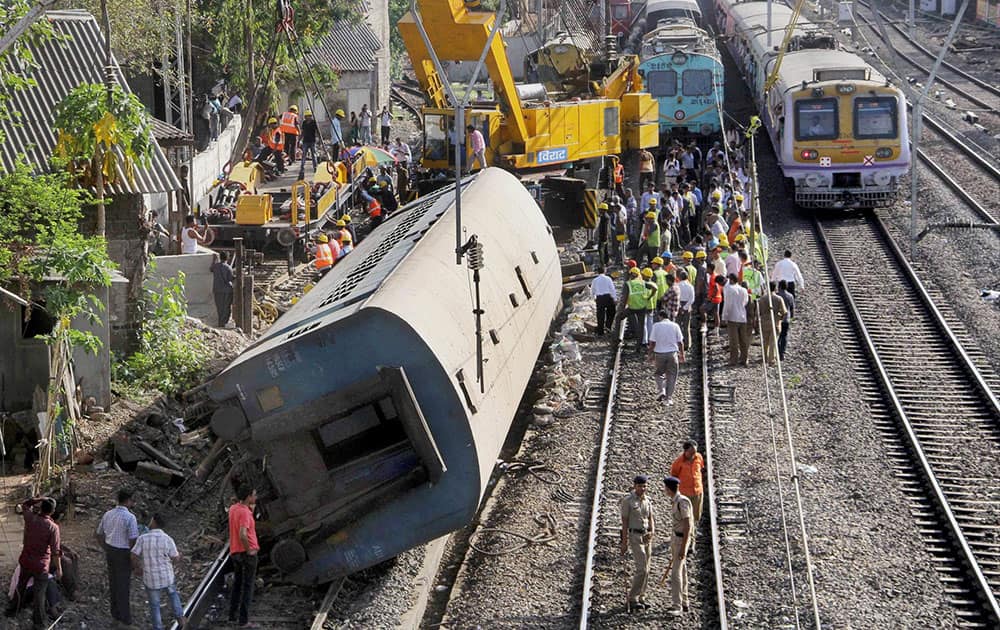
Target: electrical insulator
476, 260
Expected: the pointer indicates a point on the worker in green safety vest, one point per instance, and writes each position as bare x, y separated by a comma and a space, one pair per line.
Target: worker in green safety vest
660, 278
636, 296
652, 296
650, 245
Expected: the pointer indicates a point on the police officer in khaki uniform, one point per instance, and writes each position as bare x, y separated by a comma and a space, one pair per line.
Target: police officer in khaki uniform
637, 535
682, 517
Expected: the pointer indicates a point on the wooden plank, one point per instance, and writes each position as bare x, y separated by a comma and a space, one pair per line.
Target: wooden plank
159, 456
153, 473
324, 608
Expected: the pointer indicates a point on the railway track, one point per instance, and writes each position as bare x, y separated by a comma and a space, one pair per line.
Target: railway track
979, 93
206, 607
410, 98
625, 431
935, 408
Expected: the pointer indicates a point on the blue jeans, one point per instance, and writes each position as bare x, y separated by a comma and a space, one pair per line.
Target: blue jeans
154, 605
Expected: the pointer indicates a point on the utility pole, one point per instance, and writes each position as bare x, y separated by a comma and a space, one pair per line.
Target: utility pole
917, 126
911, 17
854, 22
769, 45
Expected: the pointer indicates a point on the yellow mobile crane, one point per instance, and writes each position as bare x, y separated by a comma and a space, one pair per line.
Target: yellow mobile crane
522, 127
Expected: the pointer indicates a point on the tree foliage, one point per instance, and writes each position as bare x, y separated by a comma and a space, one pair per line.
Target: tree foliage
142, 31
225, 23
91, 124
17, 60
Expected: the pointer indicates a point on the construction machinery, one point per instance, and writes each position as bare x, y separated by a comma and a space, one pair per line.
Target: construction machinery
523, 127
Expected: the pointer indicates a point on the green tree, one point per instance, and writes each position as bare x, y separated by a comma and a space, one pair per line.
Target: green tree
100, 130
142, 31
18, 55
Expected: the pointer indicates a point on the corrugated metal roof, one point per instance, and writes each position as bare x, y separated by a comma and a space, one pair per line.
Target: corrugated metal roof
167, 135
346, 48
63, 64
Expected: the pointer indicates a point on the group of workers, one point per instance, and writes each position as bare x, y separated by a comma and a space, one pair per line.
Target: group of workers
280, 138
333, 245
695, 254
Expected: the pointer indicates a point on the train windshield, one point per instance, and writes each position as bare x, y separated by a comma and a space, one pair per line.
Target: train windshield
875, 117
662, 83
619, 12
696, 82
816, 119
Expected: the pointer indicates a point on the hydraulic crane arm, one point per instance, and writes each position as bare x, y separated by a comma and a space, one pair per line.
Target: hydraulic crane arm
460, 34
623, 80
789, 30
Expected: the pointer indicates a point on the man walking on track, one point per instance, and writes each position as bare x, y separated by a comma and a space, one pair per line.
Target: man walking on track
687, 467
603, 288
666, 346
243, 550
637, 535
682, 521
117, 532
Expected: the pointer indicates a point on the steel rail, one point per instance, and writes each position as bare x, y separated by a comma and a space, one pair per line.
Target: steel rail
201, 599
939, 79
962, 73
709, 482
967, 557
955, 187
955, 141
602, 456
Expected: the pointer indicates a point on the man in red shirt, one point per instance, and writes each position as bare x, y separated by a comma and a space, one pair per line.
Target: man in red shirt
243, 549
688, 469
40, 550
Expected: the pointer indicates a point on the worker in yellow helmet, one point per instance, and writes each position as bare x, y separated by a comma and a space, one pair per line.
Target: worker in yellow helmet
310, 132
603, 233
272, 144
290, 125
652, 295
636, 296
650, 240
324, 255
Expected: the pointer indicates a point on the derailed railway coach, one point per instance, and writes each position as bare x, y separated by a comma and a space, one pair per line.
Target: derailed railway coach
839, 128
360, 417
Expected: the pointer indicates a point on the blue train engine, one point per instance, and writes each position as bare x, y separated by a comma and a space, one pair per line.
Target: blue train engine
683, 71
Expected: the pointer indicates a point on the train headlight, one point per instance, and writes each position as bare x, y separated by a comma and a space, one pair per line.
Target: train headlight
680, 114
814, 180
679, 59
809, 154
883, 152
705, 129
882, 178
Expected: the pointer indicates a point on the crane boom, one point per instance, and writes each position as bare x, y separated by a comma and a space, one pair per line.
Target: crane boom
772, 78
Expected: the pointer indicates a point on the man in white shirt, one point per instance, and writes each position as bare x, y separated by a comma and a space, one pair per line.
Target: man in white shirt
734, 313
604, 291
646, 196
786, 269
733, 263
401, 151
153, 558
666, 346
686, 290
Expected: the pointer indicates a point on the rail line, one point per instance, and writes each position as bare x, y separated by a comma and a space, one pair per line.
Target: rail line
955, 70
199, 607
617, 438
934, 408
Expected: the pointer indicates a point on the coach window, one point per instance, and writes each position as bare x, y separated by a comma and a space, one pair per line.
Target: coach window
875, 117
662, 83
696, 82
816, 119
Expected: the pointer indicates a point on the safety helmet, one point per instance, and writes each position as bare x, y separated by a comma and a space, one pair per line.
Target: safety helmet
323, 238
346, 237
650, 215
341, 223
739, 238
633, 271
293, 108
687, 255
347, 218
630, 263
308, 112
668, 255
372, 180
700, 254
339, 113
647, 273
716, 194
723, 240
657, 261
272, 121
603, 206
739, 197
653, 201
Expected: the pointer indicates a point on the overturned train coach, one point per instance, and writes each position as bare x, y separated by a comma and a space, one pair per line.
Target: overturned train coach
359, 415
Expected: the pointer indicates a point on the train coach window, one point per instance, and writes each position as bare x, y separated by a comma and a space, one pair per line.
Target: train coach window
696, 82
816, 119
662, 83
875, 117
435, 137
